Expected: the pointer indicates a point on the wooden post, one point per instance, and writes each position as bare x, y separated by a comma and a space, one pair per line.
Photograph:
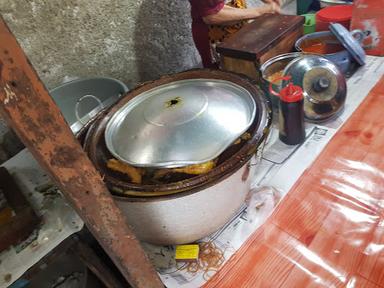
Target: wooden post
28, 108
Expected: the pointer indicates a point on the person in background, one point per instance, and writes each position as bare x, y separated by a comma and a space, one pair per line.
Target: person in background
214, 20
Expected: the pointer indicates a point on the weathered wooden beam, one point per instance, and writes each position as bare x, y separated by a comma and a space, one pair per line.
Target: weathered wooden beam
28, 108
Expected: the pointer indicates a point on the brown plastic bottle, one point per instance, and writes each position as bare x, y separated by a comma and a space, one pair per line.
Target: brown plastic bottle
291, 112
291, 115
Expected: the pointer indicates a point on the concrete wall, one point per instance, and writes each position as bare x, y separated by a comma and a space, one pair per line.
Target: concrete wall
129, 40
124, 39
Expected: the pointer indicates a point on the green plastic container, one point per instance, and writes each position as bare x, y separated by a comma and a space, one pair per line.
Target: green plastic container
310, 23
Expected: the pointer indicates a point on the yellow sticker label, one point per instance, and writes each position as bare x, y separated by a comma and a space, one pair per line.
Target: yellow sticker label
187, 252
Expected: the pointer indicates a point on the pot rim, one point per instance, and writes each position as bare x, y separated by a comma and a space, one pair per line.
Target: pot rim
174, 196
277, 58
260, 128
83, 79
77, 124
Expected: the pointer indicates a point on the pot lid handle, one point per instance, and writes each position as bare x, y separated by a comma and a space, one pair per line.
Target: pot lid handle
78, 105
350, 40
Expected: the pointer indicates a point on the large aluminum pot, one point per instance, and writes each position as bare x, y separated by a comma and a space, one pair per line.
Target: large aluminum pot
189, 209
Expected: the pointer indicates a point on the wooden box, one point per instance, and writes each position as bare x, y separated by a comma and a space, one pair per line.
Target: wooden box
265, 37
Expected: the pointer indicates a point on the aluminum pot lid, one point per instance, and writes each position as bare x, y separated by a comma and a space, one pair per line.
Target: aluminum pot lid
324, 86
350, 40
181, 123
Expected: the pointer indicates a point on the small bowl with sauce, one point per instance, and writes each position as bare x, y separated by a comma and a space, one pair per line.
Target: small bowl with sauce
327, 45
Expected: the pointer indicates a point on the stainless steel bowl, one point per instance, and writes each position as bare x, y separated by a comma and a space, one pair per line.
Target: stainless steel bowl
275, 65
80, 100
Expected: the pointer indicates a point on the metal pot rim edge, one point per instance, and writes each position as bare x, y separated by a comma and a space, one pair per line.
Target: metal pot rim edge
245, 153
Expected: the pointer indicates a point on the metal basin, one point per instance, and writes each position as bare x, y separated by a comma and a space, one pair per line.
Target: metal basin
274, 65
80, 100
342, 58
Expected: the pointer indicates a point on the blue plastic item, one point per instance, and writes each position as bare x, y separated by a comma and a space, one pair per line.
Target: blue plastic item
350, 40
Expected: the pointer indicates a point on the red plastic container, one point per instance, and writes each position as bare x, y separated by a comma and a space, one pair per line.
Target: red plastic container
334, 14
368, 15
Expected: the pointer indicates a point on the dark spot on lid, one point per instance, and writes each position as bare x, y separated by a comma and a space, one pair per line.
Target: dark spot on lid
173, 102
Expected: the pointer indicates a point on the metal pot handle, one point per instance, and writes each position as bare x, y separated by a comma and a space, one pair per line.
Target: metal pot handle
79, 102
259, 153
358, 35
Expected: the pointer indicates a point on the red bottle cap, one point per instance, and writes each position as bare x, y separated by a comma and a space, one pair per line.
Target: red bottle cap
291, 93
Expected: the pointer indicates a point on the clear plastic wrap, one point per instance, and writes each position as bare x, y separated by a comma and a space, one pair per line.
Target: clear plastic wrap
329, 229
254, 248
